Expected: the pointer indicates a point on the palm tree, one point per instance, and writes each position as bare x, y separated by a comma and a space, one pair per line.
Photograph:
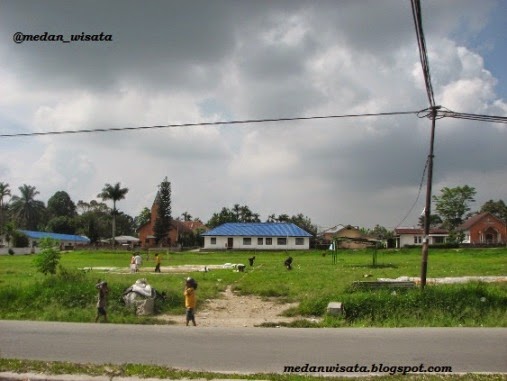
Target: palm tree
186, 216
4, 192
26, 210
115, 193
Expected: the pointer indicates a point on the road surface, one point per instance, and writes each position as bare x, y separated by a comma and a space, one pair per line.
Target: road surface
260, 350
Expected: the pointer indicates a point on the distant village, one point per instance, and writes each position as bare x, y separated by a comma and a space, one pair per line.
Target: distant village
24, 221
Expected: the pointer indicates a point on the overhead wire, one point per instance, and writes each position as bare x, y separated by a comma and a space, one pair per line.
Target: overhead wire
478, 117
417, 14
418, 194
181, 125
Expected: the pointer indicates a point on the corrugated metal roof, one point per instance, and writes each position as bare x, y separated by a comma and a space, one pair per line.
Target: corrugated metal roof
258, 229
57, 236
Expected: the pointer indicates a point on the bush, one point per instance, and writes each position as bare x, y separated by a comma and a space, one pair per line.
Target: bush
11, 252
49, 257
19, 239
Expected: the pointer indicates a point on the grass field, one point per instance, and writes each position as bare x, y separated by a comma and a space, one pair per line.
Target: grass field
314, 281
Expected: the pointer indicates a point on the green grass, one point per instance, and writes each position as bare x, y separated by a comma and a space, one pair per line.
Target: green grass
314, 281
153, 371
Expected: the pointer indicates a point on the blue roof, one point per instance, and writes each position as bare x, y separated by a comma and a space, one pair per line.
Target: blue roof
260, 229
57, 236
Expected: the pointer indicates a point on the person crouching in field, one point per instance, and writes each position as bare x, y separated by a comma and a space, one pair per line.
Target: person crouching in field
190, 300
102, 300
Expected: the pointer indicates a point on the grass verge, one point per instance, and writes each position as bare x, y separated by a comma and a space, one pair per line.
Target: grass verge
151, 371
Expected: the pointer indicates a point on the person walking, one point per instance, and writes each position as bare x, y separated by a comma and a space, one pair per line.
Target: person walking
133, 264
157, 263
138, 261
190, 300
102, 300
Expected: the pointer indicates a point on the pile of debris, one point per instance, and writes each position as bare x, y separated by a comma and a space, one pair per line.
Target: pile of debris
140, 297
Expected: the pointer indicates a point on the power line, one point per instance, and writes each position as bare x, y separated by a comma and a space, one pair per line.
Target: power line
442, 112
418, 195
180, 125
478, 117
417, 14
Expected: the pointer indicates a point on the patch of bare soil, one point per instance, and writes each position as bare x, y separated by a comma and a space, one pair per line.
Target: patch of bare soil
234, 310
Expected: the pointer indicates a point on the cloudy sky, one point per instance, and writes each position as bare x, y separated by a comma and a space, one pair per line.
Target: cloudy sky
176, 62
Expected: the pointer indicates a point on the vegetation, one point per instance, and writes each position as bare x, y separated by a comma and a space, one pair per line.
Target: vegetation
25, 209
115, 193
453, 204
69, 295
4, 192
143, 217
61, 212
47, 260
496, 208
161, 372
163, 220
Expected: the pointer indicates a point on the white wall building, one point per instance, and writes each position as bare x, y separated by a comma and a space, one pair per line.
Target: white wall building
257, 236
415, 236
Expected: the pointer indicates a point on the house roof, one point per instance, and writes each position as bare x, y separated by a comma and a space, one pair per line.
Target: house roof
60, 237
270, 229
193, 225
475, 219
126, 238
419, 231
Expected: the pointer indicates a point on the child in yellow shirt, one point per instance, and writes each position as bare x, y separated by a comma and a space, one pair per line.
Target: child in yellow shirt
190, 300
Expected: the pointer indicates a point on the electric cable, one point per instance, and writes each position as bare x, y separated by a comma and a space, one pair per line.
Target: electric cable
418, 194
417, 14
180, 125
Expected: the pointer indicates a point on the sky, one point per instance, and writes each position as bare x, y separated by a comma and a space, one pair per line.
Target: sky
177, 62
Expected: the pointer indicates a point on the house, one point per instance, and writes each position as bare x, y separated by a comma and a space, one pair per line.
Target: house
348, 237
257, 236
67, 241
415, 236
177, 229
484, 228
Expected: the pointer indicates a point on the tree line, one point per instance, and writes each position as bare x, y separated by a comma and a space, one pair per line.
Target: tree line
96, 220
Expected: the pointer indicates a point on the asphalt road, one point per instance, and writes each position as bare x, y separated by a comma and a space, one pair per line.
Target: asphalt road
258, 350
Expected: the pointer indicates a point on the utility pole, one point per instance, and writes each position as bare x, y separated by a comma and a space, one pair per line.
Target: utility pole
427, 209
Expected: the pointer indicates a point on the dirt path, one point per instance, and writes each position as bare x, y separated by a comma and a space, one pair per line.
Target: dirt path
234, 310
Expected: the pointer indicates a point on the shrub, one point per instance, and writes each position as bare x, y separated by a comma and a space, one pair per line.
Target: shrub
11, 252
19, 239
49, 257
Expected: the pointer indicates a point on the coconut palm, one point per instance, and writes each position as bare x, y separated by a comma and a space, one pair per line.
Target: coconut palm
4, 192
115, 193
26, 210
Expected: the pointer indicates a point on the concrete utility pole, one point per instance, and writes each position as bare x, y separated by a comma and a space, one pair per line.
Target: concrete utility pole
427, 210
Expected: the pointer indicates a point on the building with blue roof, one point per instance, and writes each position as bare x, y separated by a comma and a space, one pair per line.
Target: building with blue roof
65, 240
257, 236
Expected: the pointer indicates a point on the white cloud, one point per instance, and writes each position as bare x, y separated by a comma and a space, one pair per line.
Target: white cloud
230, 60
